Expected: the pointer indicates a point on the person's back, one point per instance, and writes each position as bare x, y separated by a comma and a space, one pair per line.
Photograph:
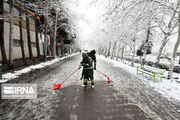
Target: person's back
93, 56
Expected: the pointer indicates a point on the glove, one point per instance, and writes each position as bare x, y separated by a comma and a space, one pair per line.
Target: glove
82, 64
95, 65
79, 66
85, 65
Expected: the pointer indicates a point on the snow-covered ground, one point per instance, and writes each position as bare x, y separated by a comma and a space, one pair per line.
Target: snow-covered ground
16, 74
168, 88
153, 58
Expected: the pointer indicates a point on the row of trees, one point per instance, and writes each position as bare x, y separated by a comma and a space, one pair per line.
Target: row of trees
54, 15
134, 26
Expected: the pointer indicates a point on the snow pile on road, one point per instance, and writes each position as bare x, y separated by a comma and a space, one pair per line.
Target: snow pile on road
168, 88
16, 74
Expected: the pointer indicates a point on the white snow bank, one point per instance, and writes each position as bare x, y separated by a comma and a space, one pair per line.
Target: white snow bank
153, 59
168, 88
10, 76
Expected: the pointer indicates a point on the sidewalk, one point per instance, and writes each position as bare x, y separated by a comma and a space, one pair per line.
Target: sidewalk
100, 103
168, 88
15, 74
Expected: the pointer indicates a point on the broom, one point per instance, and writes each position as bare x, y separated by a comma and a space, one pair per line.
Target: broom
104, 75
57, 86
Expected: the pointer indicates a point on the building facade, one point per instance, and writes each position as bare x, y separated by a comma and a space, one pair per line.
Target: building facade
24, 23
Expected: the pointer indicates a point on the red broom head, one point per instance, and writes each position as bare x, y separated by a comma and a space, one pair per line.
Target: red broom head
108, 79
57, 86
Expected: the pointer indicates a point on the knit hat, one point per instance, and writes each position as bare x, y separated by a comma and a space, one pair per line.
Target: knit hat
93, 52
84, 54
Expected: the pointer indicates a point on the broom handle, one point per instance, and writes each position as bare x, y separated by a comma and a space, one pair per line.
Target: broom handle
69, 76
100, 72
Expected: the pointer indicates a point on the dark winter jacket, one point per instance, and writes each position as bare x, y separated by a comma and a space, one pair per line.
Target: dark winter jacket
93, 58
87, 67
87, 62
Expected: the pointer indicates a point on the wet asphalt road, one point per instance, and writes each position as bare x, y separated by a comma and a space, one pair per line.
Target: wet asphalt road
127, 98
100, 103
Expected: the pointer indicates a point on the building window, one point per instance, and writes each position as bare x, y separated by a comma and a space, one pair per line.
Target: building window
6, 7
67, 42
23, 16
16, 43
16, 12
33, 44
32, 20
1, 16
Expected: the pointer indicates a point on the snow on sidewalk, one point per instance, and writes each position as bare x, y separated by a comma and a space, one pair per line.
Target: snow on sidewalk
16, 74
168, 88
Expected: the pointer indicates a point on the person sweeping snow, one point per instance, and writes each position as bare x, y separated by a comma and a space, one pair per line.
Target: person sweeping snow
87, 72
92, 54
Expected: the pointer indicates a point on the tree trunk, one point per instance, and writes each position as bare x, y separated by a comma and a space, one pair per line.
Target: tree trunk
146, 47
54, 38
114, 47
106, 51
124, 58
11, 34
122, 53
143, 59
29, 37
45, 42
134, 52
46, 28
170, 73
109, 50
117, 55
170, 29
51, 40
21, 37
37, 38
164, 42
2, 45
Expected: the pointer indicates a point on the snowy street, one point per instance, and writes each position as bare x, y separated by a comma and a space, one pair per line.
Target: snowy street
90, 59
126, 98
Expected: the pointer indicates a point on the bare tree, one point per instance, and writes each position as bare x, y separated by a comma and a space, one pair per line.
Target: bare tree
118, 51
54, 39
11, 34
170, 73
113, 50
29, 38
134, 51
109, 50
167, 33
37, 38
21, 37
3, 51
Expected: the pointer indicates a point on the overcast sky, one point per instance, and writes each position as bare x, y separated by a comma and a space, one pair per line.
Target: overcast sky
89, 16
